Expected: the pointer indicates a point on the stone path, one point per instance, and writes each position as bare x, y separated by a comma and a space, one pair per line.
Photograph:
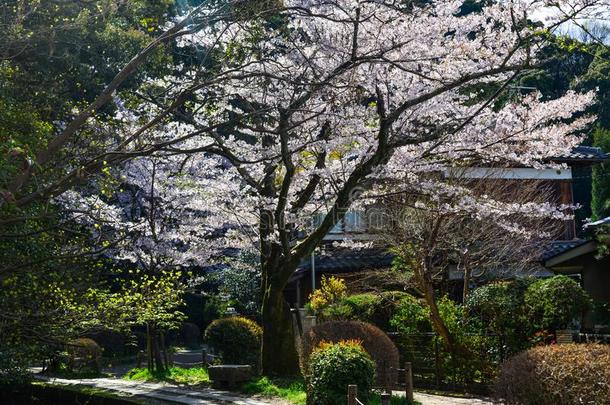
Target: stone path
428, 399
160, 391
165, 393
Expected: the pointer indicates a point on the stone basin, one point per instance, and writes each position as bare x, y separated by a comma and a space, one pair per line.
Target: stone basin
227, 376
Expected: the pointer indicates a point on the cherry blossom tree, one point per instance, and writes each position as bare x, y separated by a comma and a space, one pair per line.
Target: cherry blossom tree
445, 226
320, 100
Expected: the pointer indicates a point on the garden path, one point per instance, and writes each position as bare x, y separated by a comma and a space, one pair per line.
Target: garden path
161, 391
429, 399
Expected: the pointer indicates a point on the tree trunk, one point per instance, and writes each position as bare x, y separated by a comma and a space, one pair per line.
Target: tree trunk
155, 359
166, 362
149, 350
279, 354
158, 366
435, 317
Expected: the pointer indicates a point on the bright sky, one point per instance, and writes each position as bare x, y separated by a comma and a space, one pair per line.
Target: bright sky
600, 20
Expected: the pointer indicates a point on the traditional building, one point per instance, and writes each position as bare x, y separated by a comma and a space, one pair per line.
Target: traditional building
570, 185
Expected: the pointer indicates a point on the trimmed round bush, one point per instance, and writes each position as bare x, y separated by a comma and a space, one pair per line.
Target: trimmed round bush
237, 339
84, 353
334, 366
113, 343
189, 335
564, 374
377, 344
555, 301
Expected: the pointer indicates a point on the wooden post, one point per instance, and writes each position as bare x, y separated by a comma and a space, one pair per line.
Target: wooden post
386, 399
352, 391
437, 363
408, 382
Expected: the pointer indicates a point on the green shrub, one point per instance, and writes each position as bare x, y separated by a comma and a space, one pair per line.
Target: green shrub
332, 290
189, 335
499, 308
213, 308
377, 344
375, 308
472, 362
84, 353
564, 374
334, 366
13, 368
237, 340
113, 343
411, 317
554, 302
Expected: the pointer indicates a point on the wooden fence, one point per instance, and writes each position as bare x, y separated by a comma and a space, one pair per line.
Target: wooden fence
386, 396
352, 396
432, 364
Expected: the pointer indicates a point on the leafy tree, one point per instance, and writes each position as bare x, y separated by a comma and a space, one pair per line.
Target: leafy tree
55, 59
152, 301
555, 302
499, 309
600, 202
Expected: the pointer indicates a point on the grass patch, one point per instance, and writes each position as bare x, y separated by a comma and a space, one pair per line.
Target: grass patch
294, 391
176, 375
290, 390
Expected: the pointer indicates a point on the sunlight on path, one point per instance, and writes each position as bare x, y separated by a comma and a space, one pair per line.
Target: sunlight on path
160, 391
428, 399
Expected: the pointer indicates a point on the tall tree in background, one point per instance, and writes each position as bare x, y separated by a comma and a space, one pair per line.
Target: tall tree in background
600, 198
598, 77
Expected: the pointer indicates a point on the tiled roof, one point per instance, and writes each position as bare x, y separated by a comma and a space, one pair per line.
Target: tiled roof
584, 153
558, 247
348, 260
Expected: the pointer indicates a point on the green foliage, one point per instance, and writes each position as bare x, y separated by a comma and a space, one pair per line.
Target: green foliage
239, 284
554, 302
472, 359
13, 368
84, 354
498, 308
376, 343
56, 58
600, 194
563, 374
237, 339
213, 308
147, 299
176, 375
375, 308
411, 317
333, 366
331, 291
291, 390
